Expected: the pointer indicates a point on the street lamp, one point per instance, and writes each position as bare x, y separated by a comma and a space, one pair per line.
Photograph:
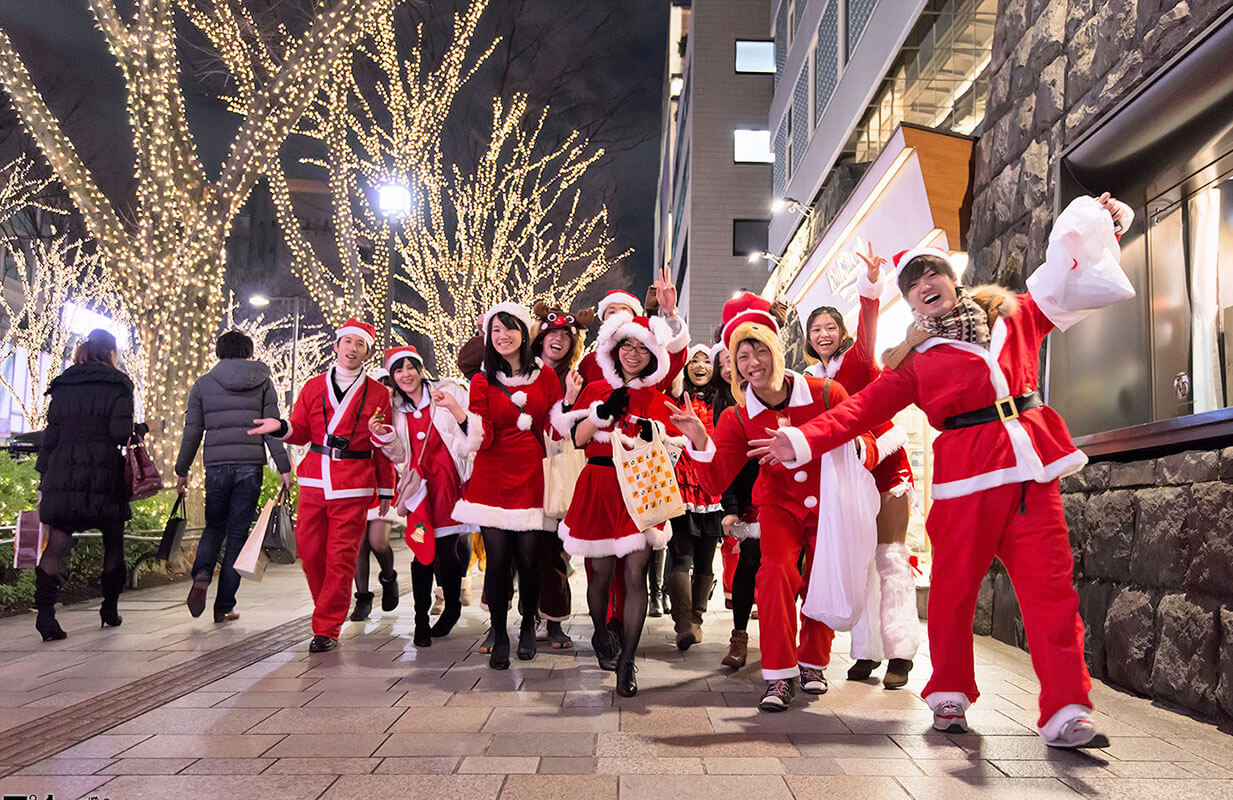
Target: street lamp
394, 203
260, 300
790, 204
771, 258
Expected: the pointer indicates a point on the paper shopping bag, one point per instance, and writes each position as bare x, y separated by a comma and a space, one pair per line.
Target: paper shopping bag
562, 466
647, 480
252, 560
30, 538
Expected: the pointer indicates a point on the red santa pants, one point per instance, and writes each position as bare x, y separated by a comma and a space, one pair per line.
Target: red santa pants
1023, 525
327, 539
729, 555
779, 583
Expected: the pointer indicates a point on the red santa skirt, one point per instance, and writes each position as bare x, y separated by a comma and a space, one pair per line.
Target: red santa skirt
598, 523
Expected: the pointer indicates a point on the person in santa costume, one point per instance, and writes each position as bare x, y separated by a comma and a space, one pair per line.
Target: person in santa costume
890, 629
376, 544
691, 570
557, 340
342, 471
633, 354
788, 500
970, 363
512, 396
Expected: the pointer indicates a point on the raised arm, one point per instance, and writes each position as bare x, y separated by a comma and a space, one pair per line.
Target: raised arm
718, 458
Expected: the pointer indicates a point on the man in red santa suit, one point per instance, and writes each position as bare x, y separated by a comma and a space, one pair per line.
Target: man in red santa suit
971, 364
338, 477
789, 500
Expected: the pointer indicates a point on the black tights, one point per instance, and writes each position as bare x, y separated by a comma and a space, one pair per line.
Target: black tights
448, 568
689, 552
633, 615
505, 549
60, 543
743, 581
377, 542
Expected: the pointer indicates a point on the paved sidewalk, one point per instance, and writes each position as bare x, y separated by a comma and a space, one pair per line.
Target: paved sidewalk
381, 719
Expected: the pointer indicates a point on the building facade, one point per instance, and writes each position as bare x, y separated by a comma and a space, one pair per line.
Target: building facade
715, 171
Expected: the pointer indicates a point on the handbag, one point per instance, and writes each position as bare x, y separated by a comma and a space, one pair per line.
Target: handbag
647, 480
140, 474
173, 531
562, 466
278, 537
30, 536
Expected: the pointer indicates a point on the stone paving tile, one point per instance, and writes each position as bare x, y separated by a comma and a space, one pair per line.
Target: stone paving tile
966, 768
802, 719
499, 765
553, 720
707, 787
1130, 789
850, 746
227, 766
727, 745
104, 745
1154, 769
418, 765
13, 717
737, 765
811, 766
545, 744
811, 787
336, 720
1024, 748
1147, 749
625, 745
649, 766
263, 699
566, 765
515, 698
260, 685
201, 700
423, 787
1204, 769
434, 744
174, 745
1019, 768
560, 787
666, 721
449, 719
948, 788
40, 786
323, 766
67, 766
148, 766
890, 767
196, 787
195, 720
326, 745
589, 698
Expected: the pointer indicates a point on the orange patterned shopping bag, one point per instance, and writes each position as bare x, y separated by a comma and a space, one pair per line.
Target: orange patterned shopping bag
647, 480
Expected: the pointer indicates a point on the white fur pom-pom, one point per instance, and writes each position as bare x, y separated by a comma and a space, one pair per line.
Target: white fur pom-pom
524, 422
519, 398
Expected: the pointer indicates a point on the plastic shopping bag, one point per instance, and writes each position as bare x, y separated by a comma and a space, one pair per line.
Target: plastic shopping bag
848, 503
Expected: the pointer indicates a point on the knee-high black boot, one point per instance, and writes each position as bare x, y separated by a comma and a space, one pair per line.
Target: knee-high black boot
421, 594
46, 590
655, 584
112, 583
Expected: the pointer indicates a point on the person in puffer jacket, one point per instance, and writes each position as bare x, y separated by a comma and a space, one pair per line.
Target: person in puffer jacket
221, 406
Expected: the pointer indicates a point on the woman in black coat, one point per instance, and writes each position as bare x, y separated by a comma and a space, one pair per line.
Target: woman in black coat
82, 484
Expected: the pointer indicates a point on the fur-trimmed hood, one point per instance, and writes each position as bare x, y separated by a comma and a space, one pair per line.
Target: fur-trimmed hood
998, 301
652, 332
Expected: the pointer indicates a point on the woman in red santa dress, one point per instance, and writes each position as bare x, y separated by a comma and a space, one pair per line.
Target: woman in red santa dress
433, 444
971, 363
890, 629
788, 501
691, 566
512, 396
633, 354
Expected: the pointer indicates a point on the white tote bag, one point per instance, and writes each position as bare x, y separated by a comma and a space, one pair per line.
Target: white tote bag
848, 503
647, 480
562, 466
252, 560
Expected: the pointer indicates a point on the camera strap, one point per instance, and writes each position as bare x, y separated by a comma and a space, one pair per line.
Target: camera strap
325, 411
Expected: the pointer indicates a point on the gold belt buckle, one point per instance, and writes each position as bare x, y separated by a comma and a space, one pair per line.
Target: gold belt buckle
1006, 408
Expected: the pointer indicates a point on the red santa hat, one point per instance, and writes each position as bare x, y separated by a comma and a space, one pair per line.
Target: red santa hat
396, 354
902, 258
651, 332
515, 310
748, 316
353, 327
716, 349
620, 297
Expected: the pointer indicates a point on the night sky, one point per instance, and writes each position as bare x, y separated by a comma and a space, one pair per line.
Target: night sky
597, 63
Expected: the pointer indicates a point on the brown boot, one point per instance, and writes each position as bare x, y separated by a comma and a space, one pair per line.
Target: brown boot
677, 584
701, 587
897, 670
738, 650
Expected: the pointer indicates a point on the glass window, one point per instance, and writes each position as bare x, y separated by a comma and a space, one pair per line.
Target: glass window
749, 236
752, 146
755, 56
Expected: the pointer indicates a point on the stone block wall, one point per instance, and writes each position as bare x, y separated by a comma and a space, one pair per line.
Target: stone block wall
1153, 559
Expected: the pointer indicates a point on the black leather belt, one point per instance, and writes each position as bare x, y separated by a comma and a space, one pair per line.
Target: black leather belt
1002, 410
601, 461
357, 455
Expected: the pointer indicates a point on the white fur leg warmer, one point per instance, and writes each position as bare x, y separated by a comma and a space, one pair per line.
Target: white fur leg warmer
899, 624
866, 638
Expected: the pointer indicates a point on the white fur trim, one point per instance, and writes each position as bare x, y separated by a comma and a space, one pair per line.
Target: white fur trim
705, 455
716, 349
286, 435
518, 380
936, 252
679, 333
563, 421
695, 349
892, 441
800, 447
793, 671
621, 297
593, 416
602, 548
475, 433
510, 519
1065, 714
899, 624
935, 699
753, 315
620, 327
516, 310
351, 330
519, 398
1067, 464
524, 421
870, 291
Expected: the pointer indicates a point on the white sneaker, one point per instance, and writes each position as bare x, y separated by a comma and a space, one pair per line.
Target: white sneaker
1075, 733
949, 718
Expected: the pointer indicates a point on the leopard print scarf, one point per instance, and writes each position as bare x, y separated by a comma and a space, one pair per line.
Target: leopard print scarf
968, 321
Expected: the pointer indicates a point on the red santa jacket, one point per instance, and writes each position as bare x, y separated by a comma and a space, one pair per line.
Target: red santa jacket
678, 347
319, 413
507, 482
794, 489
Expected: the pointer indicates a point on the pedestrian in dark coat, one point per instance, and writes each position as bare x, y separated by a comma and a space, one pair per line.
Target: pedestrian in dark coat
82, 484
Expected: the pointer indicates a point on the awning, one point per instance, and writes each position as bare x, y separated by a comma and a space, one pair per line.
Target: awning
917, 192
